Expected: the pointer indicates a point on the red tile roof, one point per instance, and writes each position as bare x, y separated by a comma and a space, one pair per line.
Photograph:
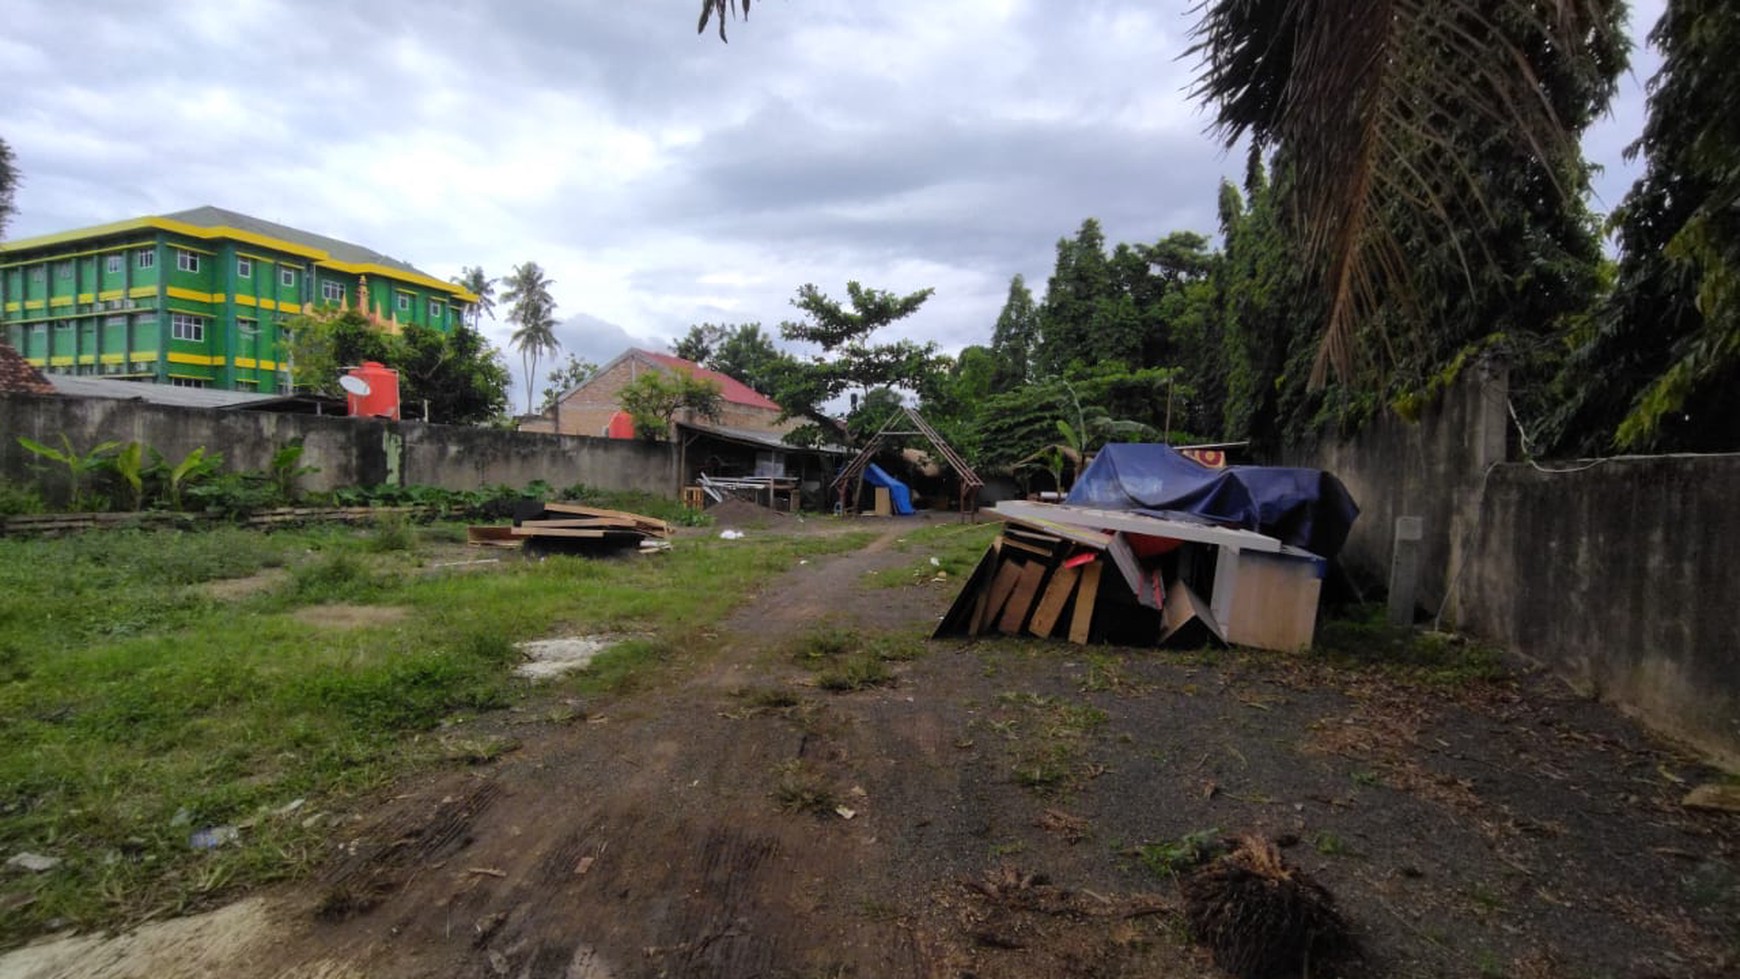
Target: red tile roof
18, 377
733, 390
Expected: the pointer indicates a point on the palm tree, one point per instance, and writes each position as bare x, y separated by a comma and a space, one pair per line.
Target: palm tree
472, 280
533, 314
1377, 107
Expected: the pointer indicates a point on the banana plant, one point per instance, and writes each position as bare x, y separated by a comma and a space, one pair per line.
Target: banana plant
77, 464
198, 465
129, 464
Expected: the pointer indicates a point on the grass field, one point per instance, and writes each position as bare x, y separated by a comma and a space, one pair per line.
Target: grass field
140, 703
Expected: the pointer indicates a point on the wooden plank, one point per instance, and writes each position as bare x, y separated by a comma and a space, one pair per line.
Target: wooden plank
1021, 599
1086, 537
964, 613
1137, 523
637, 519
1027, 547
1051, 606
1008, 573
536, 531
1086, 594
479, 534
1143, 585
582, 523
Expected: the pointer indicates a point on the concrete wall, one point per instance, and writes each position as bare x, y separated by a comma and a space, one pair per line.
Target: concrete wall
1622, 577
349, 452
1615, 575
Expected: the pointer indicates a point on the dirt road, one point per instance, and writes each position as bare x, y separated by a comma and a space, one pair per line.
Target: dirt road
986, 815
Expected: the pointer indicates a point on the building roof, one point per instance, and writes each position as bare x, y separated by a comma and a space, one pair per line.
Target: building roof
734, 391
19, 376
217, 222
761, 439
78, 386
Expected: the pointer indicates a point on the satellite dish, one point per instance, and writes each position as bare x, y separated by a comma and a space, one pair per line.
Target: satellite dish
355, 385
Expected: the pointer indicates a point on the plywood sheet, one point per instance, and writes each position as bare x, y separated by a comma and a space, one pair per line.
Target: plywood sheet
1086, 595
1052, 602
1021, 599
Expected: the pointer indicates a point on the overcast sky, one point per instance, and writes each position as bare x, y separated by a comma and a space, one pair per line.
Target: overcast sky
662, 178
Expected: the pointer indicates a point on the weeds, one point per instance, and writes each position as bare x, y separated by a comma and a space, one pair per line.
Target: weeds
1173, 857
845, 659
1366, 640
798, 788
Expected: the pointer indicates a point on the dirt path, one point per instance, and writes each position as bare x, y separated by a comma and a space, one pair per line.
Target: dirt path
998, 796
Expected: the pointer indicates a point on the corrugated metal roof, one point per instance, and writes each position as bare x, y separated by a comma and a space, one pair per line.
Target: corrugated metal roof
77, 386
768, 439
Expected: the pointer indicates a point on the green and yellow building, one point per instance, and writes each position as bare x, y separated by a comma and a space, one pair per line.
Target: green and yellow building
198, 298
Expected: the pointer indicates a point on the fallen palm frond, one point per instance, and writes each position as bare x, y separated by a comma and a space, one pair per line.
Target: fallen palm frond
1260, 917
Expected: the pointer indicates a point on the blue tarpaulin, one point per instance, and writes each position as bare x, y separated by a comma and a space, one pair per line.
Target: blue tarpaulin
898, 494
1306, 508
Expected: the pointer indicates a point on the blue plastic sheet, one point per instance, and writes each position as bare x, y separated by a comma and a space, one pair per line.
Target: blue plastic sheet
1306, 508
898, 494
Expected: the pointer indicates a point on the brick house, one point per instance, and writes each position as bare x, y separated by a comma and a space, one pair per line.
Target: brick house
588, 408
19, 376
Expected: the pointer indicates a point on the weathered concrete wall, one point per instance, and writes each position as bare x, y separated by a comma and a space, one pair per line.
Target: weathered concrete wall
1622, 577
1430, 468
1615, 575
348, 452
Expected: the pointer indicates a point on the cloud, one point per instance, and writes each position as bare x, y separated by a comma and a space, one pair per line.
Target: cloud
662, 178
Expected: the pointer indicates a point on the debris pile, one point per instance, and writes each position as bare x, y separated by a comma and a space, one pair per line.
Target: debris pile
1137, 579
575, 529
1261, 918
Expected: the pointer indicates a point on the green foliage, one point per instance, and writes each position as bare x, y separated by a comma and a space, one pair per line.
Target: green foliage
8, 187
1173, 857
286, 469
459, 376
653, 399
18, 500
194, 471
472, 279
565, 378
78, 465
849, 361
128, 465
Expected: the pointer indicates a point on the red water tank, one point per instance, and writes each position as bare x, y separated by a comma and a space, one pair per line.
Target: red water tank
621, 426
374, 393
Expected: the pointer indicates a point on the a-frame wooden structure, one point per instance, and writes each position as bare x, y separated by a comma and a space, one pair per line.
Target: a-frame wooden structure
852, 477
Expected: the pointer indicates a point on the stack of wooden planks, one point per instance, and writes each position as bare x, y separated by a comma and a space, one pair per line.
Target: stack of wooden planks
1137, 579
575, 527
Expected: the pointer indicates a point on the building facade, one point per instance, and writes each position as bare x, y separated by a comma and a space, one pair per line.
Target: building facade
198, 298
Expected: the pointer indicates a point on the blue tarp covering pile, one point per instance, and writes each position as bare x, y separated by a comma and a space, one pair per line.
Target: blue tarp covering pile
898, 494
1306, 508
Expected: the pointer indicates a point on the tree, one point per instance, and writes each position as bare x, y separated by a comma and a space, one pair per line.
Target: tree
566, 378
532, 312
472, 280
697, 345
849, 360
1014, 337
1387, 114
459, 376
1656, 369
653, 399
8, 187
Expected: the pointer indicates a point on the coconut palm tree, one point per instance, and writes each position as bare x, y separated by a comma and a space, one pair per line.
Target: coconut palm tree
472, 280
532, 312
1383, 111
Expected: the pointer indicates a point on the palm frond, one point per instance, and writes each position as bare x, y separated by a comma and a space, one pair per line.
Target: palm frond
717, 10
1375, 105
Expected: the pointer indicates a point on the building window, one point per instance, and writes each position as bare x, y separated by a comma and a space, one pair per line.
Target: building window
37, 274
189, 382
244, 268
184, 327
245, 384
332, 292
434, 310
145, 258
247, 327
112, 264
63, 324
287, 277
63, 270
404, 302
187, 261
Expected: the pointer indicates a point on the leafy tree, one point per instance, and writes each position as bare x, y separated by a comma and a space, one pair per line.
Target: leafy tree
849, 360
747, 354
1075, 299
459, 377
653, 399
532, 312
326, 341
1015, 337
697, 345
8, 187
473, 280
566, 378
1656, 369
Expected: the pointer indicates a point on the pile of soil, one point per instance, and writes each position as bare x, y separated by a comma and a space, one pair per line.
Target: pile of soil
736, 512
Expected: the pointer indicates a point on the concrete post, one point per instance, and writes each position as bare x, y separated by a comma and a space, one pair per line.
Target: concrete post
1405, 570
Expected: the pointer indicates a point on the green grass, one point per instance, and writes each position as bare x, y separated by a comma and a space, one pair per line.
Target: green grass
137, 706
845, 660
1363, 639
956, 547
